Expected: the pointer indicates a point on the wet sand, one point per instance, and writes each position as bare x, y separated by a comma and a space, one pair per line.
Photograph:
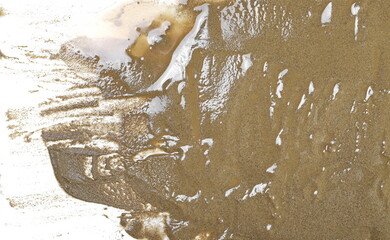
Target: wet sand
231, 120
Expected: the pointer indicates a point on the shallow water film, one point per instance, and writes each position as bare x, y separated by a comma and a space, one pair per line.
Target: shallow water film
245, 119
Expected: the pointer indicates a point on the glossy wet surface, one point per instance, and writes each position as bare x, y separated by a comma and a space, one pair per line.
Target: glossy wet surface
233, 120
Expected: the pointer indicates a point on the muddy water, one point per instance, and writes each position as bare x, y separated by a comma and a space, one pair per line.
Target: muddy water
234, 120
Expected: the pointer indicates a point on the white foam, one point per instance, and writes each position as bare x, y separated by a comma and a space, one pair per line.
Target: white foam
208, 141
231, 190
311, 88
181, 86
183, 102
353, 108
143, 155
303, 100
272, 168
369, 93
265, 67
157, 105
246, 63
259, 188
176, 70
278, 140
155, 35
336, 90
184, 198
326, 16
224, 235
282, 73
279, 88
185, 149
354, 11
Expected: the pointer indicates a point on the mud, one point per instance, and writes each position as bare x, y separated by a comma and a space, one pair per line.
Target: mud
236, 120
